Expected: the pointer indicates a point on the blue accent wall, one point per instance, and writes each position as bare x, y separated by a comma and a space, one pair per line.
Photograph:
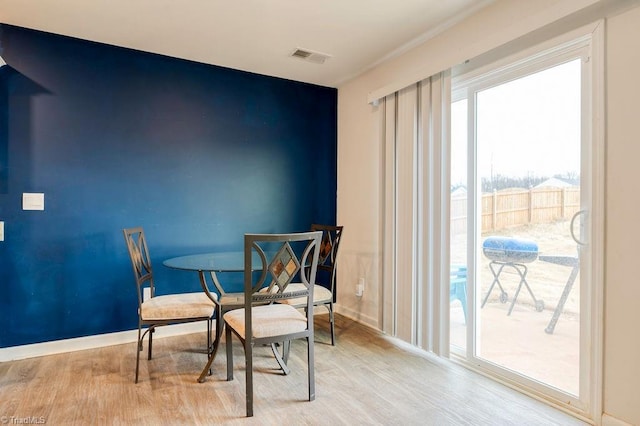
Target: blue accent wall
196, 154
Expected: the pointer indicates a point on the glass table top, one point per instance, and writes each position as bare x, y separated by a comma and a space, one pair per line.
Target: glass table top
232, 261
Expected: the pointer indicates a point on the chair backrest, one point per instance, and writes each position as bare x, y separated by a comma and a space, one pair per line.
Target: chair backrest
328, 257
140, 261
273, 261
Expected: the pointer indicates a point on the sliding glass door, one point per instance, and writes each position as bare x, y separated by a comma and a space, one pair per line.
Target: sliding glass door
521, 203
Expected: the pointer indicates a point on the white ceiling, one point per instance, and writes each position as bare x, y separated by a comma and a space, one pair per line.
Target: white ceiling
251, 35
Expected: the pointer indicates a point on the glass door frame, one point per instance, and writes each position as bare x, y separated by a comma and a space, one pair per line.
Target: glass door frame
587, 44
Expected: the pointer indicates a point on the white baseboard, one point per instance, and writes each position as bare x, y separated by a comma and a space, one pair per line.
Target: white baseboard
13, 353
357, 316
608, 420
91, 342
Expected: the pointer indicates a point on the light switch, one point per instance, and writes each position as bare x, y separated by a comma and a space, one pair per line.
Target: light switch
33, 201
1, 230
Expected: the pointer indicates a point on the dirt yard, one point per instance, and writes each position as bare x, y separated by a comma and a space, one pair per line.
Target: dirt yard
547, 280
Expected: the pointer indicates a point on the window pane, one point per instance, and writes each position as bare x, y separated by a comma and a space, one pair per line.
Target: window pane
528, 143
458, 255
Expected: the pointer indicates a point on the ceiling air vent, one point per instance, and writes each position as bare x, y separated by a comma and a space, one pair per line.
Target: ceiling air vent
310, 56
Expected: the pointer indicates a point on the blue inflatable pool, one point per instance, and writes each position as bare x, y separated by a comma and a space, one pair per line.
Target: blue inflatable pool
510, 250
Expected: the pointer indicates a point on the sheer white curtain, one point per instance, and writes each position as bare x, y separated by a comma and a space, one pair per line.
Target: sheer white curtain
414, 128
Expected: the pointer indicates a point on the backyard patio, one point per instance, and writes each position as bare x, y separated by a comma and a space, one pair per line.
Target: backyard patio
519, 341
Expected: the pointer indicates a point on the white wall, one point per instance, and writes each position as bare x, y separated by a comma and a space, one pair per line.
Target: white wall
622, 289
360, 180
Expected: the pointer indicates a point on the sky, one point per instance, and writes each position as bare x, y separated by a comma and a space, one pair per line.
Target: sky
528, 126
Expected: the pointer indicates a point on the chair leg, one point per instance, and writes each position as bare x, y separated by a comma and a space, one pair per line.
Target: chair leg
248, 356
311, 368
138, 350
219, 324
152, 329
281, 359
286, 348
210, 341
209, 330
229, 354
332, 324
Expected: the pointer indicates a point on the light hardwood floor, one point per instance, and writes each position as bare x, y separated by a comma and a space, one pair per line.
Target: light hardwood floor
364, 380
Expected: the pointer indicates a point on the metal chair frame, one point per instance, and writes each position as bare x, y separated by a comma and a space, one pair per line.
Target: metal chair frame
331, 237
143, 273
273, 282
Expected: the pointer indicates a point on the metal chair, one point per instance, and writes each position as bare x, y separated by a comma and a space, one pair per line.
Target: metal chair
458, 287
282, 259
323, 295
156, 311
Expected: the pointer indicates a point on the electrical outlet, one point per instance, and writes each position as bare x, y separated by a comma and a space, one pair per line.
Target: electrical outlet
146, 294
360, 287
2, 231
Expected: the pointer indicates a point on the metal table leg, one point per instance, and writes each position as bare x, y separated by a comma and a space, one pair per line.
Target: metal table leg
213, 350
563, 299
574, 262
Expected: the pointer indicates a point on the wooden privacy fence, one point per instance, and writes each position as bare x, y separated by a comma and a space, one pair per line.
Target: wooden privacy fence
514, 207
